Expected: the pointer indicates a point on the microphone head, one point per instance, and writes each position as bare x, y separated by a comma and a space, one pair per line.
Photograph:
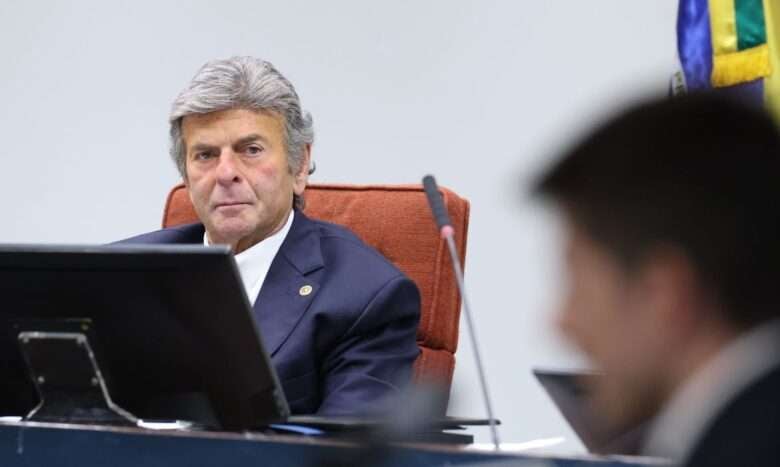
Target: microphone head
436, 203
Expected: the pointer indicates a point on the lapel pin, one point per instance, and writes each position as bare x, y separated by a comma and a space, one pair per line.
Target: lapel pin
305, 290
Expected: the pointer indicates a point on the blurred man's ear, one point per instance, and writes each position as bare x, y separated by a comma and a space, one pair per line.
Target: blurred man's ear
671, 289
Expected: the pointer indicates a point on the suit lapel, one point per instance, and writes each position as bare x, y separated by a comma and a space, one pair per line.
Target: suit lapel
289, 289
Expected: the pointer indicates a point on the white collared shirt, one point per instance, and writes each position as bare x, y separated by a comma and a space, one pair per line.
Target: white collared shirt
693, 408
254, 262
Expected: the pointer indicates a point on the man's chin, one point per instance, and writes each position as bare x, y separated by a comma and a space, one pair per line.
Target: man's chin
228, 233
620, 410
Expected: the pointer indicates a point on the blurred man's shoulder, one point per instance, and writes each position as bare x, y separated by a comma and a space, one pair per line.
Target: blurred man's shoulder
747, 430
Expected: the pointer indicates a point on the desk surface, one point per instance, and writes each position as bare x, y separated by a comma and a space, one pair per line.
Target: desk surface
44, 444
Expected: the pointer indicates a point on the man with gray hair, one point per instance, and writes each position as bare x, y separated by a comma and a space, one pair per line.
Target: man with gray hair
338, 320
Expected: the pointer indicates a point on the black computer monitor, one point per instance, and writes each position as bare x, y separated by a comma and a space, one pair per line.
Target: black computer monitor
166, 322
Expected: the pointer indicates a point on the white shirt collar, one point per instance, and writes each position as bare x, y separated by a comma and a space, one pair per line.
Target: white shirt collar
254, 262
688, 414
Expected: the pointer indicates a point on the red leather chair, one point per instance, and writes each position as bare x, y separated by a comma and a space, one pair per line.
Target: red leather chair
396, 220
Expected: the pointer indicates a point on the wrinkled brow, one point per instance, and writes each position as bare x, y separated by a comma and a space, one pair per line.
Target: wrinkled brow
240, 142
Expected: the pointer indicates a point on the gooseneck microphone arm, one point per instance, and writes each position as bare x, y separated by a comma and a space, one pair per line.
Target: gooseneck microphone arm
448, 233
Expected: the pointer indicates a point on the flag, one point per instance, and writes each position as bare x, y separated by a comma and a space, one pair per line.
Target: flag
731, 45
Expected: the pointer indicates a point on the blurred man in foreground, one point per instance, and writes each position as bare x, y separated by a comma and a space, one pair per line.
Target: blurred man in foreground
673, 263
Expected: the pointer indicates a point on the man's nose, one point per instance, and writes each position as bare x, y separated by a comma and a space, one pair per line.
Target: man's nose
227, 169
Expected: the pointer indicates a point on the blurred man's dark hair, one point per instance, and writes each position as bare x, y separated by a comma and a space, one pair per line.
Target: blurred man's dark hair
699, 173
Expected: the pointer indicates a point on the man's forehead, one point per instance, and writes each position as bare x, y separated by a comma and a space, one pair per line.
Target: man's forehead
261, 122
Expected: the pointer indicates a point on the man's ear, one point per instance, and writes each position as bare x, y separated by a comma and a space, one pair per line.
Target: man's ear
673, 289
302, 177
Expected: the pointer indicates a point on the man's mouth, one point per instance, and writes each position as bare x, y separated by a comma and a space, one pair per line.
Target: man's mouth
230, 204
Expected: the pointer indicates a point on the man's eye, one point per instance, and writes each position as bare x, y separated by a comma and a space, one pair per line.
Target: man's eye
254, 150
202, 156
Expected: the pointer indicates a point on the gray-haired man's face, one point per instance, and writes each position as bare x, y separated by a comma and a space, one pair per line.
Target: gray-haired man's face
238, 175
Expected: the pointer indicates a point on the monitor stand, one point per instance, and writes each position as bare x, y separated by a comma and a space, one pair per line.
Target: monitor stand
66, 375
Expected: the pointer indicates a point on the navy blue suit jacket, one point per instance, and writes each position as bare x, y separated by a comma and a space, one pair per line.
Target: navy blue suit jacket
746, 432
351, 342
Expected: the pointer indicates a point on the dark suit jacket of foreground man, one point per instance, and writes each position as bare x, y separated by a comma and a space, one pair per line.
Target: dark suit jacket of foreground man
747, 430
347, 345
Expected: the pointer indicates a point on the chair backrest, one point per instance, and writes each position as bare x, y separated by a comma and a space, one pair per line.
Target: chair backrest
396, 220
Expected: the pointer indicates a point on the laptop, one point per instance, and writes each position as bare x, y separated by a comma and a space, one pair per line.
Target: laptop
569, 391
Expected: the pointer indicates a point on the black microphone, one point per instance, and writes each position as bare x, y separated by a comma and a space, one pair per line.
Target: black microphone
448, 233
436, 203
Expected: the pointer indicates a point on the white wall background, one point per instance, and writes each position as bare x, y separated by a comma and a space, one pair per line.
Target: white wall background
480, 93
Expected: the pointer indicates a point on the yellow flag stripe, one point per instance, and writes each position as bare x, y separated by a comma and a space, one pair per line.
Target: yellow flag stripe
740, 67
723, 26
772, 82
